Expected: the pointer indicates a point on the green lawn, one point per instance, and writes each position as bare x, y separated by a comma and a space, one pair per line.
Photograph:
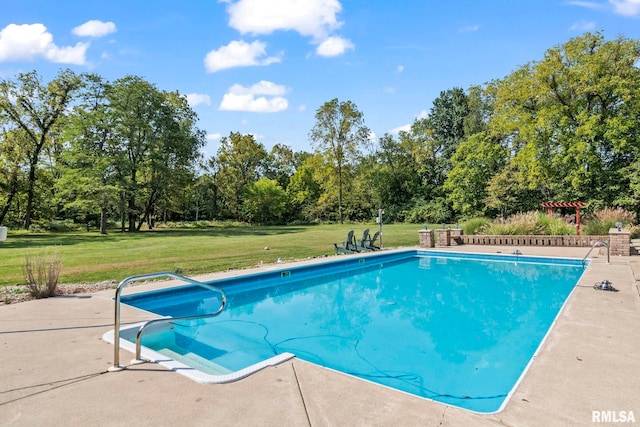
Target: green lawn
90, 257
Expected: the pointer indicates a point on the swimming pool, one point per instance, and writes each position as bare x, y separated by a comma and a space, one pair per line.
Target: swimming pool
457, 328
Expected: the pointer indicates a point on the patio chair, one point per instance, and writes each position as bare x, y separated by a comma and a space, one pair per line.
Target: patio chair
363, 244
349, 246
371, 244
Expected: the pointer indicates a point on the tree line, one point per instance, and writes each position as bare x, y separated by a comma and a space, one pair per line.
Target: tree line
562, 128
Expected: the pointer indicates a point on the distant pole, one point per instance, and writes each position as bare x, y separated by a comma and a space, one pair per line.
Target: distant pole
379, 220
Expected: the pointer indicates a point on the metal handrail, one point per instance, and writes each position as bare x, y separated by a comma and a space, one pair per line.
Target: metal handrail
116, 324
597, 244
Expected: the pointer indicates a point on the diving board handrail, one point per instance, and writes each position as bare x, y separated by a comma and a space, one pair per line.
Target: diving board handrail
599, 243
116, 324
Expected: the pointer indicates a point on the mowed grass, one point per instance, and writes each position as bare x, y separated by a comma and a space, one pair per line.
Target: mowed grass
90, 257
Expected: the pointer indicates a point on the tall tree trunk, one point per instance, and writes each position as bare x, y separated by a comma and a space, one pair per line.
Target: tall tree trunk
132, 214
103, 220
30, 194
13, 190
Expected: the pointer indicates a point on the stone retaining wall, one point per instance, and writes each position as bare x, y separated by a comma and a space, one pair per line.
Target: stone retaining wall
576, 241
619, 241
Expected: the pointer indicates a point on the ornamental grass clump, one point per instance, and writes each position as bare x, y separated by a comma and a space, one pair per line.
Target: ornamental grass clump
553, 225
475, 225
601, 221
521, 224
41, 273
528, 224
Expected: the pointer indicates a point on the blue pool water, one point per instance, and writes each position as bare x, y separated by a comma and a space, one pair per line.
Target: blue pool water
456, 328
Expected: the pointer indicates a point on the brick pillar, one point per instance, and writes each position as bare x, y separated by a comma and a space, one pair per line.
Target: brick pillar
443, 237
426, 238
619, 242
456, 236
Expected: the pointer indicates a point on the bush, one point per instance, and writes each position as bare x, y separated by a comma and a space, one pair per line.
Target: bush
599, 223
475, 225
41, 274
434, 211
55, 226
555, 226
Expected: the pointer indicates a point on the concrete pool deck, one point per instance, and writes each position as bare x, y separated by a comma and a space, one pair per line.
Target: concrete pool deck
53, 370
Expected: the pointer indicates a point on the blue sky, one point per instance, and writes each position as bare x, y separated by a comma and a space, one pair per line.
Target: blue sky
264, 67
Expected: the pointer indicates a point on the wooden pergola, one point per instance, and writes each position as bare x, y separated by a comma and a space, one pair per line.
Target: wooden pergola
551, 205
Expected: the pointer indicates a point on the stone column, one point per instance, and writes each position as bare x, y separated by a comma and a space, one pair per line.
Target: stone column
426, 238
619, 242
456, 236
443, 237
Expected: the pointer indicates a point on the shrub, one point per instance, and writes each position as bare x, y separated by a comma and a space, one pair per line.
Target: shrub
55, 226
601, 221
41, 274
475, 225
555, 225
435, 211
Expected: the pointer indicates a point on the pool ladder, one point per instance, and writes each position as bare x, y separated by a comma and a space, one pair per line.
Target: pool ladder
599, 243
116, 324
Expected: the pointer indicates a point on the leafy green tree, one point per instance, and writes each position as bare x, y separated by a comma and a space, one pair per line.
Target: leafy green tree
13, 162
241, 162
265, 201
391, 174
280, 164
339, 134
438, 136
480, 109
305, 188
571, 118
474, 163
158, 146
35, 108
88, 182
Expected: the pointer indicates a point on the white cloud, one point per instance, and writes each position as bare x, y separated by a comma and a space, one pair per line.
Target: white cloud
626, 7
29, 42
238, 54
213, 136
94, 28
400, 69
317, 19
240, 98
198, 98
407, 128
403, 128
334, 46
587, 4
583, 26
302, 108
314, 18
469, 29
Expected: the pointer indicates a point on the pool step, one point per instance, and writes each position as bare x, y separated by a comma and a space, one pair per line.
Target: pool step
196, 362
